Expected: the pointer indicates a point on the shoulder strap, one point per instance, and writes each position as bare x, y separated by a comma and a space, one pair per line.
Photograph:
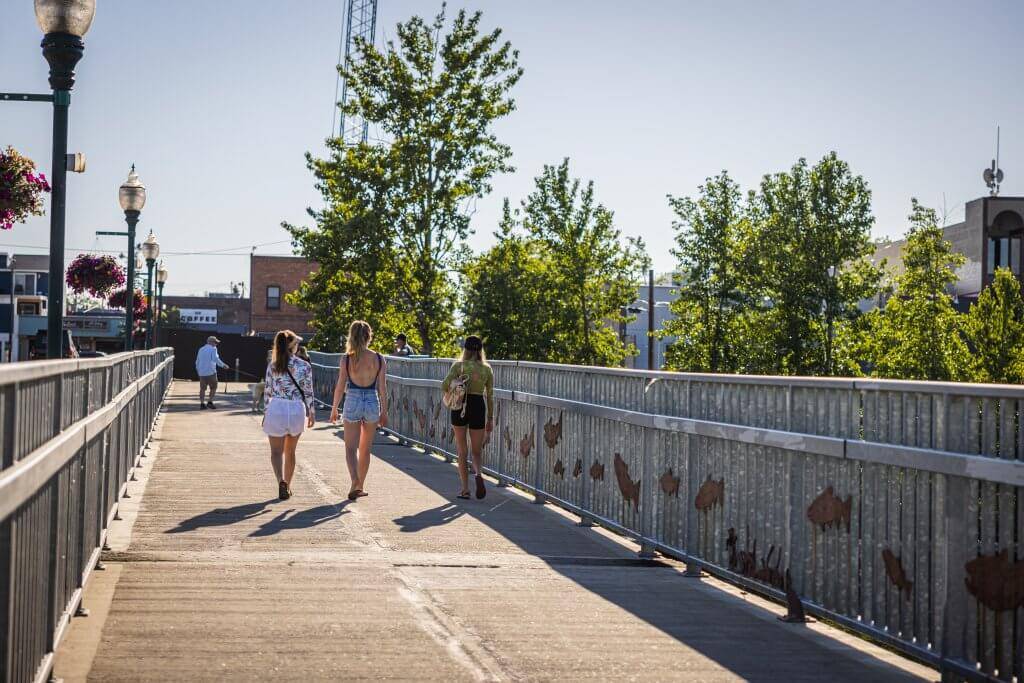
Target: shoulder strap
297, 386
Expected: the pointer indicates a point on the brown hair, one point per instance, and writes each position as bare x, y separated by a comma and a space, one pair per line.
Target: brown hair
359, 335
282, 351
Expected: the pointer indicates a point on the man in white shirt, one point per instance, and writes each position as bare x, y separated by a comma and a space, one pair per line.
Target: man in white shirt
207, 362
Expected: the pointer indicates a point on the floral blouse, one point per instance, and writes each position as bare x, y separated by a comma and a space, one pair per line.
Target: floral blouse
281, 386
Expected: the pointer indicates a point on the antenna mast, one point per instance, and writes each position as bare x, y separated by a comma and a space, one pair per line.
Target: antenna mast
360, 23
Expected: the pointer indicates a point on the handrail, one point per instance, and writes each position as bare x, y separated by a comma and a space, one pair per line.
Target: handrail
894, 508
72, 433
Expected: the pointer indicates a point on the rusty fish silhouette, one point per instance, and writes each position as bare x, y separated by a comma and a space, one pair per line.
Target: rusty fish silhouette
433, 430
669, 483
894, 568
507, 438
577, 469
630, 489
526, 445
597, 472
559, 469
709, 494
553, 431
437, 408
996, 581
405, 403
828, 509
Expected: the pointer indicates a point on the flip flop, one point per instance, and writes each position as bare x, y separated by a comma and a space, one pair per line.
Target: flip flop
353, 494
361, 493
481, 490
463, 496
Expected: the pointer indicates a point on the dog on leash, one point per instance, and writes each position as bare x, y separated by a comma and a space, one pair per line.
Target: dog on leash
257, 396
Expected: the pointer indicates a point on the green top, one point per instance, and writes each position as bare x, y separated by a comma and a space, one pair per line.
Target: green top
481, 380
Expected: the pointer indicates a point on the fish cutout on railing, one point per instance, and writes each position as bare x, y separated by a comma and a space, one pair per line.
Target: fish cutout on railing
437, 408
553, 431
507, 438
828, 509
709, 494
630, 489
526, 445
894, 568
669, 483
559, 469
405, 403
577, 469
597, 471
433, 430
996, 581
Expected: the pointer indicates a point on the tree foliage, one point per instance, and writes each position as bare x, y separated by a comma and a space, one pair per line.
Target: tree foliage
917, 335
398, 209
994, 328
713, 293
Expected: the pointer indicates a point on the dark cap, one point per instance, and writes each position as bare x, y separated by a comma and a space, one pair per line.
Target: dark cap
474, 343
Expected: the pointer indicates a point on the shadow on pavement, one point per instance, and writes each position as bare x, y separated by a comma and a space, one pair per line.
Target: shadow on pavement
222, 516
301, 520
442, 514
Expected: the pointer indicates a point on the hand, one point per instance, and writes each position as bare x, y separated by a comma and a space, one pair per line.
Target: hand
311, 419
490, 426
334, 415
383, 419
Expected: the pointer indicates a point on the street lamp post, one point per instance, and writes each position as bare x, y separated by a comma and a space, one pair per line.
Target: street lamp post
132, 197
161, 280
150, 252
63, 23
14, 306
828, 320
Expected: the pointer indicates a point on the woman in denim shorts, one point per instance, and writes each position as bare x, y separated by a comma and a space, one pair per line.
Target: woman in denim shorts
362, 378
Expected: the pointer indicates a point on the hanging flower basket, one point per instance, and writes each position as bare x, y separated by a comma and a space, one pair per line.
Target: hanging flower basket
21, 189
97, 275
117, 300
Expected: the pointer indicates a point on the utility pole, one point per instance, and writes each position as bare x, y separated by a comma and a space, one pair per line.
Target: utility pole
650, 319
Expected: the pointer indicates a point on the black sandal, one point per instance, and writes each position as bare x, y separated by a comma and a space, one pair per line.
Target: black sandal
481, 490
464, 495
283, 492
353, 494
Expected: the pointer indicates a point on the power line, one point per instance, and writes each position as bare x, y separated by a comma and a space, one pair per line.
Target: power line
214, 252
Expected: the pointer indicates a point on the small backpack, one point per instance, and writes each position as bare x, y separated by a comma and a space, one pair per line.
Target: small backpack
455, 397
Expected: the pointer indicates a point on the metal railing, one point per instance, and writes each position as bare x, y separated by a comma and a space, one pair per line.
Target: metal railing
891, 508
72, 432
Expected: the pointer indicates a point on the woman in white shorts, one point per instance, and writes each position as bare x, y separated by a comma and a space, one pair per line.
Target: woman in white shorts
289, 407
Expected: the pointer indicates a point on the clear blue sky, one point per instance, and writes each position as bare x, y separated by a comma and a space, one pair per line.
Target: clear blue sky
216, 102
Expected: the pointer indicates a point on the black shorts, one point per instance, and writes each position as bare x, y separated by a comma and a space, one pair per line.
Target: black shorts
476, 413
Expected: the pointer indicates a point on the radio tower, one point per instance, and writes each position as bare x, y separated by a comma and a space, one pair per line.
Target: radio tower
360, 22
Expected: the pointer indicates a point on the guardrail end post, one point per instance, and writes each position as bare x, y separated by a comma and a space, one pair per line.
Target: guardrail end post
100, 566
692, 570
646, 551
81, 611
585, 522
539, 499
501, 482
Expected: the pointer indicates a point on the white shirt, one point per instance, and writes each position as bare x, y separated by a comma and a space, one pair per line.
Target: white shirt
207, 361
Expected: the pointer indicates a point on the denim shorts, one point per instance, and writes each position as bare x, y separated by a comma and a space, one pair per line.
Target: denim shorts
361, 405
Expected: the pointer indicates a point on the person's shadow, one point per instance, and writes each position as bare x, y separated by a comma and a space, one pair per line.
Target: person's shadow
222, 516
442, 514
301, 520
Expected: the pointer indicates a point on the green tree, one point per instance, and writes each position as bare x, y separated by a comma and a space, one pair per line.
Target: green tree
506, 297
809, 244
917, 335
398, 211
994, 328
711, 297
592, 273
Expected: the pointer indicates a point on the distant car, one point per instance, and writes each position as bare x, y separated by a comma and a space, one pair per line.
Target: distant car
91, 354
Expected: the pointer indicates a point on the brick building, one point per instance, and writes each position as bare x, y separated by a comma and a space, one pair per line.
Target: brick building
271, 278
223, 314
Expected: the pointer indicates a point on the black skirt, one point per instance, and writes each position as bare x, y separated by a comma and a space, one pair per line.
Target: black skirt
476, 413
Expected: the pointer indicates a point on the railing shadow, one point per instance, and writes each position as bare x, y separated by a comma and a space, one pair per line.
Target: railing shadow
750, 645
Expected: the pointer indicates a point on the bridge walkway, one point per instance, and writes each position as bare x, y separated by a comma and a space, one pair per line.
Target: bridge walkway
211, 577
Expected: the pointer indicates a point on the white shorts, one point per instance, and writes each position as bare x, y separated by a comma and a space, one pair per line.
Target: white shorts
284, 417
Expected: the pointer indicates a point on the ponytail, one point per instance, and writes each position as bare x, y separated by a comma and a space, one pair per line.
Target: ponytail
283, 341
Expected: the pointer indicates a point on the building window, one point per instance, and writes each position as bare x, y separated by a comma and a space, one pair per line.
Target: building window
24, 283
1004, 252
273, 298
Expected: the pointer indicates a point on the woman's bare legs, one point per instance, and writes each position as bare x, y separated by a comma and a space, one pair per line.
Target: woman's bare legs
276, 451
461, 448
290, 442
476, 438
352, 436
369, 431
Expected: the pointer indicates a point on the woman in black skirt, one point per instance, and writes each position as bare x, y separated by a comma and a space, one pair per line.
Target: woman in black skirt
478, 417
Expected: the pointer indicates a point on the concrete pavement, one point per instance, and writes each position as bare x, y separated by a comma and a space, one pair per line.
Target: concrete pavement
211, 577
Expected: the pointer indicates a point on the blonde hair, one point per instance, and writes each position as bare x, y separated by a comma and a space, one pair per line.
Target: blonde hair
282, 350
359, 335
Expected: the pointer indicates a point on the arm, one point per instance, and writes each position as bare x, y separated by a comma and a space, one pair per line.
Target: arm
266, 386
382, 391
339, 388
452, 374
307, 386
